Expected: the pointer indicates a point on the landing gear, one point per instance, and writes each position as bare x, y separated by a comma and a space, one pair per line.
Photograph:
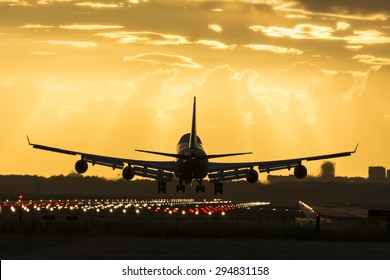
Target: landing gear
200, 187
218, 187
180, 186
162, 186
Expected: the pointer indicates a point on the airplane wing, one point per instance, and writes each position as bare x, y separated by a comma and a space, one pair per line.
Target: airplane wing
219, 172
159, 170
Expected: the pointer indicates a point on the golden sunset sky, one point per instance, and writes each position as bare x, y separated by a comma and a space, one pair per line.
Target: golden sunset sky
282, 79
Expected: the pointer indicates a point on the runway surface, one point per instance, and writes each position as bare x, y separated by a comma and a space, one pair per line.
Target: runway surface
185, 229
127, 247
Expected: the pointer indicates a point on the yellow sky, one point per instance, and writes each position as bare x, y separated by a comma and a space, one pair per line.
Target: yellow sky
279, 78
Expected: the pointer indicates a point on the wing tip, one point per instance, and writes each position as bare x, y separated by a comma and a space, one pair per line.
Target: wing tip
28, 140
357, 145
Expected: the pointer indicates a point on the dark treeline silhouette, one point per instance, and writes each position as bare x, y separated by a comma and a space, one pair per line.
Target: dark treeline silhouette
283, 193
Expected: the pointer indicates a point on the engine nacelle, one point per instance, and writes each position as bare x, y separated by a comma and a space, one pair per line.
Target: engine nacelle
252, 176
128, 173
300, 171
81, 166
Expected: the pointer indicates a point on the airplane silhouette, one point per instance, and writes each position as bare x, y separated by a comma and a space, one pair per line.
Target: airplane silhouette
192, 163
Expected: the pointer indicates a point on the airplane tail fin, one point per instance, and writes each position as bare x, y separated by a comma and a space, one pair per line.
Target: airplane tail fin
193, 144
193, 139
307, 210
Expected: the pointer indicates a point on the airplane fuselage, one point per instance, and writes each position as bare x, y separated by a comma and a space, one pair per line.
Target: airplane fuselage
193, 166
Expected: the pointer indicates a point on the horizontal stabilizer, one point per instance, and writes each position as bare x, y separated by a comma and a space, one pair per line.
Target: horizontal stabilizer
201, 157
164, 154
223, 155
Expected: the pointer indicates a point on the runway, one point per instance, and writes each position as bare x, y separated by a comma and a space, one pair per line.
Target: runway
50, 209
133, 247
185, 229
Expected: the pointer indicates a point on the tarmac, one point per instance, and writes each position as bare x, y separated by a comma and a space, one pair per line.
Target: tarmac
27, 247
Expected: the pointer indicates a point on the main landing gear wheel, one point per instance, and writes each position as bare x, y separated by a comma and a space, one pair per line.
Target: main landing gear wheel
162, 186
180, 187
218, 188
200, 188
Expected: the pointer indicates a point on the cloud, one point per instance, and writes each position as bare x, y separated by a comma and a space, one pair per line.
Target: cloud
215, 44
337, 10
274, 49
73, 26
333, 88
298, 76
367, 37
15, 3
377, 87
43, 53
360, 10
222, 89
110, 4
354, 47
90, 26
145, 37
342, 32
294, 16
159, 39
343, 26
300, 31
98, 5
166, 59
18, 101
215, 27
75, 44
36, 26
372, 60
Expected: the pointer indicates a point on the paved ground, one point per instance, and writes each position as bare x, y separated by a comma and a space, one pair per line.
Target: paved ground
127, 247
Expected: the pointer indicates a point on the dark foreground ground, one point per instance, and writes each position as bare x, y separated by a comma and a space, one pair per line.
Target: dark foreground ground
127, 247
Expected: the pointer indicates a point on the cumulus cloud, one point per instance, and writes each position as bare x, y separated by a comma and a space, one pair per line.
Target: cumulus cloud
377, 89
298, 76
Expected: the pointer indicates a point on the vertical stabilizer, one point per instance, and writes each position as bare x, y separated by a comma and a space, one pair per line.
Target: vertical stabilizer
193, 141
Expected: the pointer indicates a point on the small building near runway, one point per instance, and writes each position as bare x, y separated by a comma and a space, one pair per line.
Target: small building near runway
376, 174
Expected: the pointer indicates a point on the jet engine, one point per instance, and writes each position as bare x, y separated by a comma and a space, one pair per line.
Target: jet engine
300, 171
81, 166
128, 173
252, 176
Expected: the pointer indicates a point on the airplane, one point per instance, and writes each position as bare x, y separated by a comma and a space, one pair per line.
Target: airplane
191, 164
